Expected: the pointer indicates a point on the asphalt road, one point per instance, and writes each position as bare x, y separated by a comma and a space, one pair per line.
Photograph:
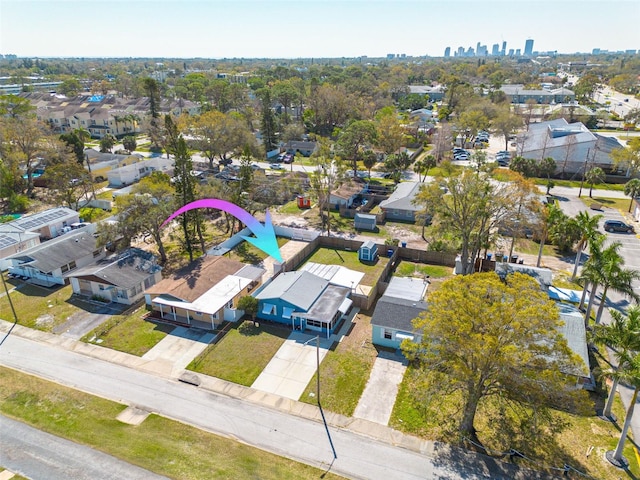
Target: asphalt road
38, 455
271, 430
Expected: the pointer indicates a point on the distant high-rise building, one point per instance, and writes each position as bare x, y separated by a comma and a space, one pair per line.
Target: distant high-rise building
517, 52
495, 50
504, 48
447, 52
528, 47
595, 51
390, 56
511, 52
461, 51
478, 47
470, 52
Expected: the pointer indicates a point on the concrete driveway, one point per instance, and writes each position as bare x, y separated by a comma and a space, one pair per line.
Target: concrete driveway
292, 367
175, 351
379, 396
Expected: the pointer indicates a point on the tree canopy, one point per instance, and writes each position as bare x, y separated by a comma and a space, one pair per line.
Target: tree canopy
484, 337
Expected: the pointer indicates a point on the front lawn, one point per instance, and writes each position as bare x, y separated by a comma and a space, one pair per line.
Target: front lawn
129, 333
242, 353
422, 409
160, 445
344, 372
349, 259
39, 307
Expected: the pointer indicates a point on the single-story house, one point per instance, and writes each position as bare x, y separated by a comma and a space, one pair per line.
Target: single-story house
47, 224
368, 251
392, 319
306, 149
346, 193
50, 263
400, 206
572, 145
363, 221
304, 301
132, 173
204, 293
15, 240
436, 93
121, 279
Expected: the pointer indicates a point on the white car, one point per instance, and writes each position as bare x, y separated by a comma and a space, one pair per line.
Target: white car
276, 166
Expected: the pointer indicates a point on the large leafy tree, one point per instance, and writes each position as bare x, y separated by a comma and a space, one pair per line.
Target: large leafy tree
622, 336
145, 210
69, 183
218, 134
505, 124
75, 143
353, 139
471, 208
484, 337
390, 134
268, 125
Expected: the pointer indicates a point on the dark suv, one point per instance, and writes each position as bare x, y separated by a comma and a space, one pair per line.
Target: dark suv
617, 226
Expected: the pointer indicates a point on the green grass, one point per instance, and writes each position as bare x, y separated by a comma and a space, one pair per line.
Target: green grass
345, 370
247, 253
242, 353
421, 410
160, 445
617, 203
129, 333
531, 247
291, 208
329, 256
576, 184
410, 269
41, 308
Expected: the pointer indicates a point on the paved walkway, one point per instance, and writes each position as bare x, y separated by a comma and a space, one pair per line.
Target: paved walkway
292, 367
179, 348
379, 396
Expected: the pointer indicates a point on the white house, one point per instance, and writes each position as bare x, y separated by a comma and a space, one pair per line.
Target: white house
132, 173
50, 263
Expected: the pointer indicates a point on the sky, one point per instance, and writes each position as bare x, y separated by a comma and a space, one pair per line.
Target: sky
309, 28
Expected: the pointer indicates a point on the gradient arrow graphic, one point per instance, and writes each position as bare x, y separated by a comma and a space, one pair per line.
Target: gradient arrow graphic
265, 237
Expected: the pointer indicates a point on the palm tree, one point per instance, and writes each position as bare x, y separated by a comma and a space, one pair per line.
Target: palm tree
619, 280
632, 188
593, 176
588, 227
622, 335
631, 376
421, 167
594, 270
369, 159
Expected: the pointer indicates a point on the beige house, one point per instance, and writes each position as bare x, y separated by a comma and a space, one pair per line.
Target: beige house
205, 293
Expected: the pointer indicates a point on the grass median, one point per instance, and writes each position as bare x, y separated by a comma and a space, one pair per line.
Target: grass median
160, 445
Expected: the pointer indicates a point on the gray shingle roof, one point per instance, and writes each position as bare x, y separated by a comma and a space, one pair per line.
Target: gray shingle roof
128, 270
49, 256
397, 313
325, 308
402, 197
297, 288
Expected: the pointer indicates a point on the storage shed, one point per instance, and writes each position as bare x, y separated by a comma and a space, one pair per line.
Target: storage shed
368, 251
304, 201
363, 221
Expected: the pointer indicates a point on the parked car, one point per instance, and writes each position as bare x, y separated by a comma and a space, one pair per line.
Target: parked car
618, 226
276, 166
289, 158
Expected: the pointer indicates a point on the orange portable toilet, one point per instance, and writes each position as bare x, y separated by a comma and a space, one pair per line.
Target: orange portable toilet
304, 201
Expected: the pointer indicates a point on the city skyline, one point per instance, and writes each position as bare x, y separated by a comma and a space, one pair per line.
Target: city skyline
307, 28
